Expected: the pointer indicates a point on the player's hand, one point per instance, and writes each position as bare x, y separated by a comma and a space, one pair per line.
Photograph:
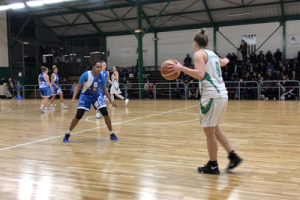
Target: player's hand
114, 105
57, 87
52, 90
110, 82
177, 67
72, 101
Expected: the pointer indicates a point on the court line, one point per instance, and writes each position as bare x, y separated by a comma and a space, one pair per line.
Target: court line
19, 145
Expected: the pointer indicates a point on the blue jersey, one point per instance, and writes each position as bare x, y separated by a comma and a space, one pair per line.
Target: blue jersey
43, 82
91, 84
56, 79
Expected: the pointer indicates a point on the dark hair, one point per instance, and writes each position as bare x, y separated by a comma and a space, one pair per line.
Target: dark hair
95, 63
201, 38
43, 68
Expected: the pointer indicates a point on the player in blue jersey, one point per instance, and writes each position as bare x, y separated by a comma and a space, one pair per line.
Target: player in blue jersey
45, 89
90, 82
57, 89
105, 73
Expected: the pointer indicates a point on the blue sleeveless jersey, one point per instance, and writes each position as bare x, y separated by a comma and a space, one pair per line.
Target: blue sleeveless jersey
56, 79
91, 84
43, 82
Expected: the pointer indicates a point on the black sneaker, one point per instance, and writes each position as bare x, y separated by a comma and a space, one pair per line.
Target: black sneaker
113, 137
209, 169
66, 139
235, 161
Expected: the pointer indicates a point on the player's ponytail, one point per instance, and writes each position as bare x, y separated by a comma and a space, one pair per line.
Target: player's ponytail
201, 38
43, 68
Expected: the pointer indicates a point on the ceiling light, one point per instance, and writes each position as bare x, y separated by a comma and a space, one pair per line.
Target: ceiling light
26, 42
4, 7
52, 1
34, 3
139, 31
16, 5
238, 14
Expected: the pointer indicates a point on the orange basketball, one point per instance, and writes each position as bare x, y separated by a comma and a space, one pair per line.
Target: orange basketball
165, 72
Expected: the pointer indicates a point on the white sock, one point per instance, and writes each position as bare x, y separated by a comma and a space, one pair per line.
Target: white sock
62, 104
42, 106
45, 109
51, 105
112, 132
69, 132
120, 96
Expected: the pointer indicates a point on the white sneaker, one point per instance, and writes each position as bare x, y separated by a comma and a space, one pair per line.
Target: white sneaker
64, 107
42, 107
126, 101
54, 104
98, 116
46, 111
110, 105
274, 98
52, 108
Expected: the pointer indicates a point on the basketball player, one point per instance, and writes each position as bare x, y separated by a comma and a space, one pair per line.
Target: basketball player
45, 89
115, 90
213, 103
91, 81
105, 73
57, 89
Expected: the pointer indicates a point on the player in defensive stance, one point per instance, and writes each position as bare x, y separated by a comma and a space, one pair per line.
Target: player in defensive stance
213, 103
105, 73
57, 89
91, 81
115, 89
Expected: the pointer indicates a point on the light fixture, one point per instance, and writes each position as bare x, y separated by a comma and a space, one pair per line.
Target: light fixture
139, 31
34, 3
26, 43
155, 39
16, 5
52, 1
4, 7
238, 14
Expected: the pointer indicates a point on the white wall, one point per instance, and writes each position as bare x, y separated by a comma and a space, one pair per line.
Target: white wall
171, 45
3, 40
262, 31
292, 30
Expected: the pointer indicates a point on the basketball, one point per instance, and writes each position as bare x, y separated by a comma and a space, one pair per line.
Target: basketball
166, 73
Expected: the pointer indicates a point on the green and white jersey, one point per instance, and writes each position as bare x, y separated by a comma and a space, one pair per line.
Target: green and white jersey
212, 85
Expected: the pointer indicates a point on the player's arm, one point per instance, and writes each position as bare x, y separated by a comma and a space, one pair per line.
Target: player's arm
200, 58
39, 80
108, 79
46, 77
108, 96
224, 61
117, 76
76, 91
52, 80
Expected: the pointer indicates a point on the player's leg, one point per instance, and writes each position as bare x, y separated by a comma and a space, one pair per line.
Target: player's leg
61, 97
52, 101
235, 160
74, 122
121, 97
42, 104
212, 146
45, 104
107, 119
112, 98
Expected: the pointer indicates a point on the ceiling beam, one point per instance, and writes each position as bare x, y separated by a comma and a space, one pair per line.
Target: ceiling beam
94, 24
243, 2
231, 2
208, 12
282, 9
194, 26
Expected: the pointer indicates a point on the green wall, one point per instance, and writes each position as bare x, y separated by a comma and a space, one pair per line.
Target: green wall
4, 72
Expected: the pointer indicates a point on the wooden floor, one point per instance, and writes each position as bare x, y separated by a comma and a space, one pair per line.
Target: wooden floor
160, 146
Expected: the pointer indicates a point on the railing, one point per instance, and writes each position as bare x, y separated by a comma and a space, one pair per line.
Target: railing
285, 89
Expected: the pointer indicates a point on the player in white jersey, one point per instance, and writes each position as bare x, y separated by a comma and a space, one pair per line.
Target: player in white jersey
115, 89
213, 103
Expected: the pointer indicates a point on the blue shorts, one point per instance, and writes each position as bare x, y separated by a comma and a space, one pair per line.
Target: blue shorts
45, 92
56, 91
86, 101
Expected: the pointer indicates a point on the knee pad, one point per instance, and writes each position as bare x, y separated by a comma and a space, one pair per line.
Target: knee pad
80, 113
103, 111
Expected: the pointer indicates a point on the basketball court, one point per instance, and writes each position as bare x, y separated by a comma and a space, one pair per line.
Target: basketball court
160, 146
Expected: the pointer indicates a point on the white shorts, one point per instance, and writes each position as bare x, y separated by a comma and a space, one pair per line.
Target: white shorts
115, 89
212, 111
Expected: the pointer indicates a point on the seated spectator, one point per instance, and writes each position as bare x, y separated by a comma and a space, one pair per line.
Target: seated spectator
64, 88
283, 70
133, 71
278, 55
11, 87
146, 90
253, 58
269, 75
277, 75
249, 86
123, 82
254, 77
251, 68
275, 63
269, 66
260, 58
269, 56
185, 77
295, 63
187, 61
263, 85
177, 92
234, 57
265, 61
294, 76
226, 76
236, 71
261, 68
244, 69
125, 72
151, 90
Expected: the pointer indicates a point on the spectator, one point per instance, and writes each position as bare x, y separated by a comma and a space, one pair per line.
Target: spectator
277, 75
262, 68
64, 88
260, 58
249, 86
253, 58
125, 72
284, 71
265, 61
185, 77
278, 55
133, 71
275, 63
254, 77
236, 71
234, 57
244, 69
295, 63
177, 91
294, 76
269, 66
269, 56
187, 61
128, 87
3, 81
229, 57
226, 76
298, 56
243, 48
11, 87
263, 86
151, 90
73, 87
251, 68
122, 84
269, 75
146, 90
